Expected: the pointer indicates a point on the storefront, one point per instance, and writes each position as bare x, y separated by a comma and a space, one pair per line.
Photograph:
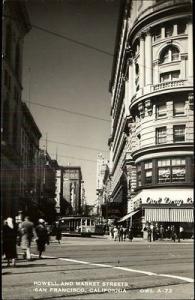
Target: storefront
167, 207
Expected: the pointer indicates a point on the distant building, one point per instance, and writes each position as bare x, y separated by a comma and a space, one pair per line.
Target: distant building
70, 195
16, 25
58, 191
100, 173
47, 201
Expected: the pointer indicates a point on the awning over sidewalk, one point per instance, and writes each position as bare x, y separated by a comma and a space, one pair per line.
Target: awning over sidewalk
128, 216
169, 215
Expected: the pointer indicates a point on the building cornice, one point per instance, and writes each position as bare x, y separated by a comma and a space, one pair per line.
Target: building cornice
171, 148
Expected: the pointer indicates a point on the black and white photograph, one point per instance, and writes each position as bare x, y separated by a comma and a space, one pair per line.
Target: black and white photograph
97, 150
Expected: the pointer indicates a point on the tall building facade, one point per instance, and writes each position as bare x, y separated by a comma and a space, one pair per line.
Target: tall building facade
30, 175
100, 172
15, 26
71, 184
151, 143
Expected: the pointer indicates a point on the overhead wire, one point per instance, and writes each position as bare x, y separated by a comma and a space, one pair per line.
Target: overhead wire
76, 158
68, 111
77, 146
59, 35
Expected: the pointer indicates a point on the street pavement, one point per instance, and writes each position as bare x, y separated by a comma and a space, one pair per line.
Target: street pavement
99, 268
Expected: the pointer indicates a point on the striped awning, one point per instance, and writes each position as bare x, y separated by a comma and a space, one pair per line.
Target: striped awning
169, 215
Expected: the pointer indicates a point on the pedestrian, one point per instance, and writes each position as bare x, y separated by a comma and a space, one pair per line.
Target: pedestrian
173, 233
152, 231
9, 241
161, 231
180, 233
112, 232
58, 232
149, 234
181, 229
120, 233
155, 232
42, 236
124, 233
130, 234
116, 233
27, 233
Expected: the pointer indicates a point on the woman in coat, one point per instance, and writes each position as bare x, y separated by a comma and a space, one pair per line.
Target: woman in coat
9, 241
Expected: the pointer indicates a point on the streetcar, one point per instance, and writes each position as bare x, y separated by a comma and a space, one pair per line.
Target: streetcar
81, 226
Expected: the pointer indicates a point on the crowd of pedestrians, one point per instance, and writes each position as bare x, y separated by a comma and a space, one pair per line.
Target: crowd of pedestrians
121, 233
22, 235
153, 232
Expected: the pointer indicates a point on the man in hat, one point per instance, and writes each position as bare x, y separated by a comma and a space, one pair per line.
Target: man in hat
42, 237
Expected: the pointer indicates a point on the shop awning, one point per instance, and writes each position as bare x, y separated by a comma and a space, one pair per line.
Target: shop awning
169, 215
128, 216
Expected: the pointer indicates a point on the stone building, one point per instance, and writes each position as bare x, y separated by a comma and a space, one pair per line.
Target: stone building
100, 173
30, 176
70, 195
151, 143
47, 178
15, 26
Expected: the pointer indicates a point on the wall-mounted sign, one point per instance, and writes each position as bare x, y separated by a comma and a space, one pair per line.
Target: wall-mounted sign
165, 200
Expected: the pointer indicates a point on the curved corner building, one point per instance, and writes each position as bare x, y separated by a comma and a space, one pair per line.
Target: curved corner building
151, 143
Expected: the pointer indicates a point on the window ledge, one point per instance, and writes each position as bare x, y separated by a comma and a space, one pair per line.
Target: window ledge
179, 116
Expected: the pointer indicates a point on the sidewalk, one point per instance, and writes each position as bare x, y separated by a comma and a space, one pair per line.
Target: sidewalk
107, 239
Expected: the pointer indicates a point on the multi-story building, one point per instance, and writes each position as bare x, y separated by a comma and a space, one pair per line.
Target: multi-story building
101, 168
30, 186
151, 143
47, 173
15, 26
71, 183
58, 191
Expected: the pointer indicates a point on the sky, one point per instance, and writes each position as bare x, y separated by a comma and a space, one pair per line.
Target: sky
70, 70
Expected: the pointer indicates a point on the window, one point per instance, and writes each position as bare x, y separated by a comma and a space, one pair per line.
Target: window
164, 171
161, 110
171, 170
161, 135
137, 76
179, 108
157, 33
178, 170
169, 30
169, 76
148, 172
181, 28
139, 175
178, 133
169, 54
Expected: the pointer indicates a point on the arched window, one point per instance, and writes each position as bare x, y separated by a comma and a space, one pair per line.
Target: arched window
169, 54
